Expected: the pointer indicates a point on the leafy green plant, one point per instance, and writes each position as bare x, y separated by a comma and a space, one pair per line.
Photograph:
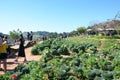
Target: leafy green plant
34, 51
75, 62
99, 78
63, 50
91, 74
107, 75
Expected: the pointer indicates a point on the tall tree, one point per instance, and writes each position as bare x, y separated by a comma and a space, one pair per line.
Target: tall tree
81, 30
14, 34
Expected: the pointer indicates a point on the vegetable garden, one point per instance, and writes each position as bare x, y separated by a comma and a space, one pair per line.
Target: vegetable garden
83, 62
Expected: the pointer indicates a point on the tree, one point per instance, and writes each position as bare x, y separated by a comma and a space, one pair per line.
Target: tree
14, 34
53, 35
81, 30
1, 34
73, 33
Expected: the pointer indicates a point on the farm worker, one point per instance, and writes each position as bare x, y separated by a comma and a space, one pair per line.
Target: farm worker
21, 51
3, 54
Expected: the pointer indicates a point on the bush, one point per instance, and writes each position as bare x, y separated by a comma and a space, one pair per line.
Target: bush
34, 51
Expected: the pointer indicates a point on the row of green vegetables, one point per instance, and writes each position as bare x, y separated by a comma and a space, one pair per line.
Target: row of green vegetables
64, 47
104, 42
84, 62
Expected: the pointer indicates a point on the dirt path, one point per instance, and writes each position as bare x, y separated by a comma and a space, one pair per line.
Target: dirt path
10, 61
102, 43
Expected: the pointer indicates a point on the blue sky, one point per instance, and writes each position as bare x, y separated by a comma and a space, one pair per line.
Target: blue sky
54, 15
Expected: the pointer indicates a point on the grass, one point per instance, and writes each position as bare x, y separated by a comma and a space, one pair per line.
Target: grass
106, 42
109, 42
78, 39
106, 37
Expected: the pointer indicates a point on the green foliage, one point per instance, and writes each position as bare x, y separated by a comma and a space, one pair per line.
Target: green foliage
77, 40
91, 63
19, 68
116, 61
81, 30
63, 50
84, 62
47, 55
34, 51
109, 42
99, 78
107, 75
14, 34
106, 37
71, 78
75, 62
5, 77
104, 52
91, 74
116, 74
37, 49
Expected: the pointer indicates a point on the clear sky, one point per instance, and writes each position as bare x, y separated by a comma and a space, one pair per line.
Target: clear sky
54, 15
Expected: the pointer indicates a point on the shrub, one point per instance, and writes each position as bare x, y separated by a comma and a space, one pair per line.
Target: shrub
34, 51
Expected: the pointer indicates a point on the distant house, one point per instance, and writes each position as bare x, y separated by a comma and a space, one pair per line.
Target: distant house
90, 32
106, 28
108, 31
